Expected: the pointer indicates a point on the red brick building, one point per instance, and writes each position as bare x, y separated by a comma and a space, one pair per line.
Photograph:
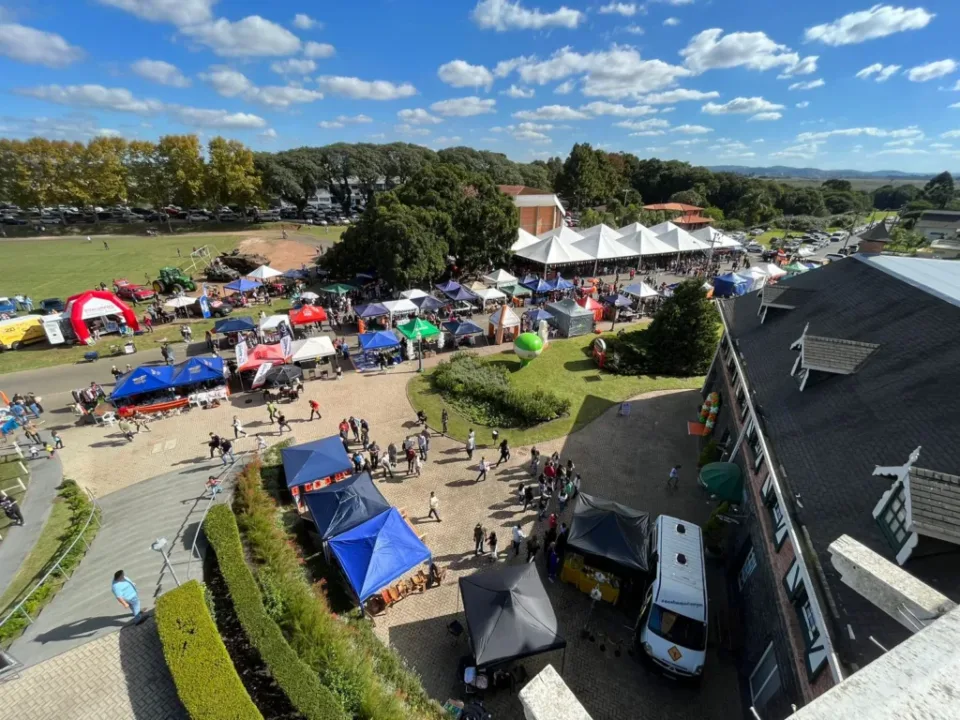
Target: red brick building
539, 210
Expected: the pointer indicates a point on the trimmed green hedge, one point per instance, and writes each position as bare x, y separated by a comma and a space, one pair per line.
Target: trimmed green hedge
207, 682
296, 678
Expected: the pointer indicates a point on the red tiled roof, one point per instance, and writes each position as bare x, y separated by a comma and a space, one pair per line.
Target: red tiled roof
514, 190
691, 219
676, 207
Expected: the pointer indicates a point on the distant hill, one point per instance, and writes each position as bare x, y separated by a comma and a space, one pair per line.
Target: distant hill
782, 171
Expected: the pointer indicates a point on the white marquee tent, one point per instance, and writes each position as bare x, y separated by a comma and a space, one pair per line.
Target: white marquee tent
499, 278
412, 294
603, 244
400, 307
640, 290
681, 241
312, 348
645, 243
523, 240
264, 272
554, 251
715, 239
490, 294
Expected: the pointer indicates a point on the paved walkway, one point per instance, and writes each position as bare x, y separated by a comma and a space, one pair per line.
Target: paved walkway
122, 676
169, 506
45, 476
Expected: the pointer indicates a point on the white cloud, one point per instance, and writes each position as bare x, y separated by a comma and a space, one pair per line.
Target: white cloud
360, 119
304, 22
679, 95
36, 47
615, 73
460, 73
93, 96
227, 82
518, 92
765, 117
909, 132
198, 117
950, 134
377, 136
877, 22
954, 106
444, 140
729, 146
671, 22
178, 12
318, 50
617, 8
329, 124
804, 151
883, 72
107, 132
161, 72
293, 66
932, 70
806, 66
807, 85
634, 29
651, 124
536, 127
692, 129
712, 50
903, 151
552, 112
687, 143
741, 105
647, 133
268, 134
233, 83
903, 142
358, 89
531, 136
418, 116
802, 105
250, 37
941, 146
464, 107
502, 15
411, 130
566, 87
606, 108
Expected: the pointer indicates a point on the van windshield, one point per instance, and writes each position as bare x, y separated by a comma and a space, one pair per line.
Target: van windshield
678, 629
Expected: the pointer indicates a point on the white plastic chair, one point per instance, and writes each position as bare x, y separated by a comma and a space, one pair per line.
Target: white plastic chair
109, 418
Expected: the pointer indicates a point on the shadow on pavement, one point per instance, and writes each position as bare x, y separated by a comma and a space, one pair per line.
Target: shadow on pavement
82, 628
149, 686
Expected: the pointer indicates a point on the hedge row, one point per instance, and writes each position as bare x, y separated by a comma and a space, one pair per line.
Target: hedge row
207, 682
296, 678
369, 679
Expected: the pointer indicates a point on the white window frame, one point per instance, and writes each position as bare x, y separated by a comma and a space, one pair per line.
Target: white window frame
811, 631
756, 447
748, 567
775, 672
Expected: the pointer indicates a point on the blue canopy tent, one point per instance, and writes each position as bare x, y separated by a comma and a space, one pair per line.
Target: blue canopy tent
448, 287
558, 283
539, 286
144, 379
377, 552
463, 329
380, 340
461, 293
428, 303
342, 506
238, 324
730, 285
242, 285
315, 460
294, 274
618, 300
197, 370
536, 315
531, 278
371, 310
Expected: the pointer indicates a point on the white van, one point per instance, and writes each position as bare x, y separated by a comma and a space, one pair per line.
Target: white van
673, 620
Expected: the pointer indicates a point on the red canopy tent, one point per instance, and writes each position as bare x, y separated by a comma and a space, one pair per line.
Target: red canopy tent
308, 314
597, 308
96, 304
264, 354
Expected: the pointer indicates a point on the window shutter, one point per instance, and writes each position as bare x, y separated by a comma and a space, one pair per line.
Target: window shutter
816, 659
766, 491
780, 531
792, 581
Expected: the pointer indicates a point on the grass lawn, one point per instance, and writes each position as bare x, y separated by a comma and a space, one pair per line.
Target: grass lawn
566, 369
775, 233
8, 471
43, 552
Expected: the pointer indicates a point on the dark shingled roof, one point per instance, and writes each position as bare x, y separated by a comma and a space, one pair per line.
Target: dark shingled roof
935, 504
834, 354
829, 438
783, 296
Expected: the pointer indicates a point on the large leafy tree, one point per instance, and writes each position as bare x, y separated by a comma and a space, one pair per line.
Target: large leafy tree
683, 335
888, 197
587, 177
181, 169
940, 190
231, 175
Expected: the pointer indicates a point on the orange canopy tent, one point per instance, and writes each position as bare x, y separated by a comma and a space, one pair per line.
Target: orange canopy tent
308, 314
264, 354
597, 308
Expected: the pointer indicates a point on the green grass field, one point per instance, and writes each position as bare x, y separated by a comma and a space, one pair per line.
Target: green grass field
564, 368
865, 184
771, 233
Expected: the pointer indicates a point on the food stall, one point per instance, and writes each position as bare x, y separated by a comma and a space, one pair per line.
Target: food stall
308, 315
418, 331
274, 327
464, 333
608, 544
233, 328
588, 303
373, 344
506, 318
309, 353
570, 319
157, 388
314, 465
369, 312
341, 506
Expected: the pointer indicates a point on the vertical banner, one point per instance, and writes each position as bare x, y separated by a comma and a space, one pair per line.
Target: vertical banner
204, 302
261, 377
286, 345
241, 351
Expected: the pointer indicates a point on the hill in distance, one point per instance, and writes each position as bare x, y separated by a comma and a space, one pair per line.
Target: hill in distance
782, 171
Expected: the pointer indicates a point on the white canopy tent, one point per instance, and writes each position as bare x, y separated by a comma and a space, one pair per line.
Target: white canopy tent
604, 246
681, 241
499, 278
309, 295
490, 294
640, 290
523, 240
179, 302
561, 233
554, 251
510, 318
663, 227
274, 321
264, 272
400, 307
769, 269
312, 348
715, 239
645, 243
412, 294
757, 277
601, 230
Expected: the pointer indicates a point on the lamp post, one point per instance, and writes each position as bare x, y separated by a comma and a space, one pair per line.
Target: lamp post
159, 544
419, 352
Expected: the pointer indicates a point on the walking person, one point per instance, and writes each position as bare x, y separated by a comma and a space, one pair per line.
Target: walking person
482, 467
417, 464
518, 538
57, 440
125, 428
423, 444
411, 455
271, 411
434, 507
126, 593
355, 428
527, 497
343, 429
534, 461
364, 433
10, 508
213, 444
261, 444
314, 408
238, 428
226, 449
504, 451
444, 419
478, 538
471, 444
492, 542
32, 432
533, 547
674, 477
553, 563
392, 455
562, 499
282, 423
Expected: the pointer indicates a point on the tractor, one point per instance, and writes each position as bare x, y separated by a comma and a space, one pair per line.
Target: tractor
173, 280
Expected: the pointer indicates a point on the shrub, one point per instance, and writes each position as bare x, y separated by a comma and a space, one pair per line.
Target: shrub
715, 530
207, 682
709, 454
297, 679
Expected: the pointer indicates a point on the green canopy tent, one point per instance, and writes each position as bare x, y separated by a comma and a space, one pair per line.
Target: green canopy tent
338, 289
723, 479
795, 268
516, 291
418, 325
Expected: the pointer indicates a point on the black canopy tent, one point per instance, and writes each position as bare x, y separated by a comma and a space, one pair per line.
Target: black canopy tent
341, 506
509, 616
614, 536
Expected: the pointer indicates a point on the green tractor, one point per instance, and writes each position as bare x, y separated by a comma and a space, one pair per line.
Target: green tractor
173, 280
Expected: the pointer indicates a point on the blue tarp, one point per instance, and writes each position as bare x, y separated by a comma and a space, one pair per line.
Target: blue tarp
618, 300
448, 286
461, 293
198, 369
463, 329
342, 506
371, 310
558, 283
379, 340
539, 286
242, 285
295, 274
377, 552
314, 461
238, 324
428, 303
537, 315
730, 284
144, 379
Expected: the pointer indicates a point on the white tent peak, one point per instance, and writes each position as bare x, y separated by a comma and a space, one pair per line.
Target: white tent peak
663, 227
561, 233
554, 251
510, 318
682, 241
264, 272
602, 246
603, 231
500, 277
412, 294
523, 240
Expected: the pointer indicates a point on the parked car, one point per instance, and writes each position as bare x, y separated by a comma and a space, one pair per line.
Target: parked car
51, 306
197, 217
11, 220
754, 247
135, 293
217, 309
757, 231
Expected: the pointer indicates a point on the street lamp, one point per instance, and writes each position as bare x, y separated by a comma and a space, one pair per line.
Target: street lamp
159, 544
419, 352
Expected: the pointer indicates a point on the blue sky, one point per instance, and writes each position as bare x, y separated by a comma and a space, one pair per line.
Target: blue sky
825, 84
